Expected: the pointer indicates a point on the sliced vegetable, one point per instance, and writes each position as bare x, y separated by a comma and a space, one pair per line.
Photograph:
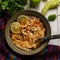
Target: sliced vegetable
50, 5
15, 27
23, 19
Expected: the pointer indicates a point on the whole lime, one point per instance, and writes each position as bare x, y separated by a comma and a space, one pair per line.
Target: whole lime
35, 1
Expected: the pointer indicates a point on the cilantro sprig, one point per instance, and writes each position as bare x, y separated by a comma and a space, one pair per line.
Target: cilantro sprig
12, 5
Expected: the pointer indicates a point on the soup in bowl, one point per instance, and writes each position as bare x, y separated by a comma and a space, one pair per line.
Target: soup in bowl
24, 29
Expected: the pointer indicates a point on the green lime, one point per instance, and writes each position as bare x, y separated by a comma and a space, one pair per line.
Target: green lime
35, 1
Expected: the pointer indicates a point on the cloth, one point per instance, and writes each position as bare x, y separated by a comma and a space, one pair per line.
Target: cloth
51, 52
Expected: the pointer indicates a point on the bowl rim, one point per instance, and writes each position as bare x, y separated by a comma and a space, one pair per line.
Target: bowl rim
17, 50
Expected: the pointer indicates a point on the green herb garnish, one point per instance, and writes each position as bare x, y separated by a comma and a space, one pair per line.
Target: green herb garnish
12, 5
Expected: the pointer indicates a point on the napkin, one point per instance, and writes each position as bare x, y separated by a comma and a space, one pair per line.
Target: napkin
51, 52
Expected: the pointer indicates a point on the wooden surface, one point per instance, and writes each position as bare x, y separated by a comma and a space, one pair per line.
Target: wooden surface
55, 25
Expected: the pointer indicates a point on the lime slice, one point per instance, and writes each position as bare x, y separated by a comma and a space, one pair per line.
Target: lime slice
15, 27
22, 19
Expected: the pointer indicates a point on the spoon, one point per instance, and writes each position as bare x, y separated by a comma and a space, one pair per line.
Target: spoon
47, 38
